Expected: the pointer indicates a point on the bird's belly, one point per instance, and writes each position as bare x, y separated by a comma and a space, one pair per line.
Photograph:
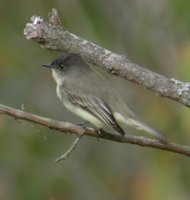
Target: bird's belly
83, 114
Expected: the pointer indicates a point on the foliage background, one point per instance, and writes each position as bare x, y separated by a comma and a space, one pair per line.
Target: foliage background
151, 33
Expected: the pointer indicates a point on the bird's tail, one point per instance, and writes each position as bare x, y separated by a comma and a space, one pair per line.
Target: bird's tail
140, 125
135, 122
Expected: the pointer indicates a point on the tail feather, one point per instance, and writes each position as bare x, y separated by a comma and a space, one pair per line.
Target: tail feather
135, 122
144, 127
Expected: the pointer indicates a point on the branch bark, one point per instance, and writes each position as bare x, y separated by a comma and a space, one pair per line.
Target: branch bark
66, 127
53, 36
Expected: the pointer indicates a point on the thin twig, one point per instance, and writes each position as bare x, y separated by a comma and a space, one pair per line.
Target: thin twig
79, 130
70, 149
52, 35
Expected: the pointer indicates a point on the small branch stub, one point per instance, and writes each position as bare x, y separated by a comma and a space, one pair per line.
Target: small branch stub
54, 19
70, 150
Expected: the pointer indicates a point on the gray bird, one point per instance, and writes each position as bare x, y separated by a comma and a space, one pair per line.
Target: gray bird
90, 96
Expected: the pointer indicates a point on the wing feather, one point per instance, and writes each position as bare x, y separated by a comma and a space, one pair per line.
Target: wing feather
96, 107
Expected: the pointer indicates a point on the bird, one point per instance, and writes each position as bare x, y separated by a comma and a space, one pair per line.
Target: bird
90, 96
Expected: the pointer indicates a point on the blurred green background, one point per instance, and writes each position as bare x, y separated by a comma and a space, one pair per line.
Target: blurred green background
151, 33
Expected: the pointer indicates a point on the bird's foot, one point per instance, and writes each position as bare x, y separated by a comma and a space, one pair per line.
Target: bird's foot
83, 124
100, 132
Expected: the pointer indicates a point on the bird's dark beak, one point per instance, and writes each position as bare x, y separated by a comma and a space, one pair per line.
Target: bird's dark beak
47, 65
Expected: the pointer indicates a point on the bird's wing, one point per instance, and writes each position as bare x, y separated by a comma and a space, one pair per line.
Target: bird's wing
97, 107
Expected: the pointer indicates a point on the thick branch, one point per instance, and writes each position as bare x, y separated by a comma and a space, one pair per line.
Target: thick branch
72, 128
53, 36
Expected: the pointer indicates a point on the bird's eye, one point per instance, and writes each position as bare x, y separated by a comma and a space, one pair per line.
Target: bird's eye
62, 66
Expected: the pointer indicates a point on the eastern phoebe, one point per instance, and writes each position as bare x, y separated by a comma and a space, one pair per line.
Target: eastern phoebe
88, 95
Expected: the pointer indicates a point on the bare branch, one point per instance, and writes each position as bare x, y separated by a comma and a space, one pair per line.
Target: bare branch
71, 148
79, 130
52, 35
